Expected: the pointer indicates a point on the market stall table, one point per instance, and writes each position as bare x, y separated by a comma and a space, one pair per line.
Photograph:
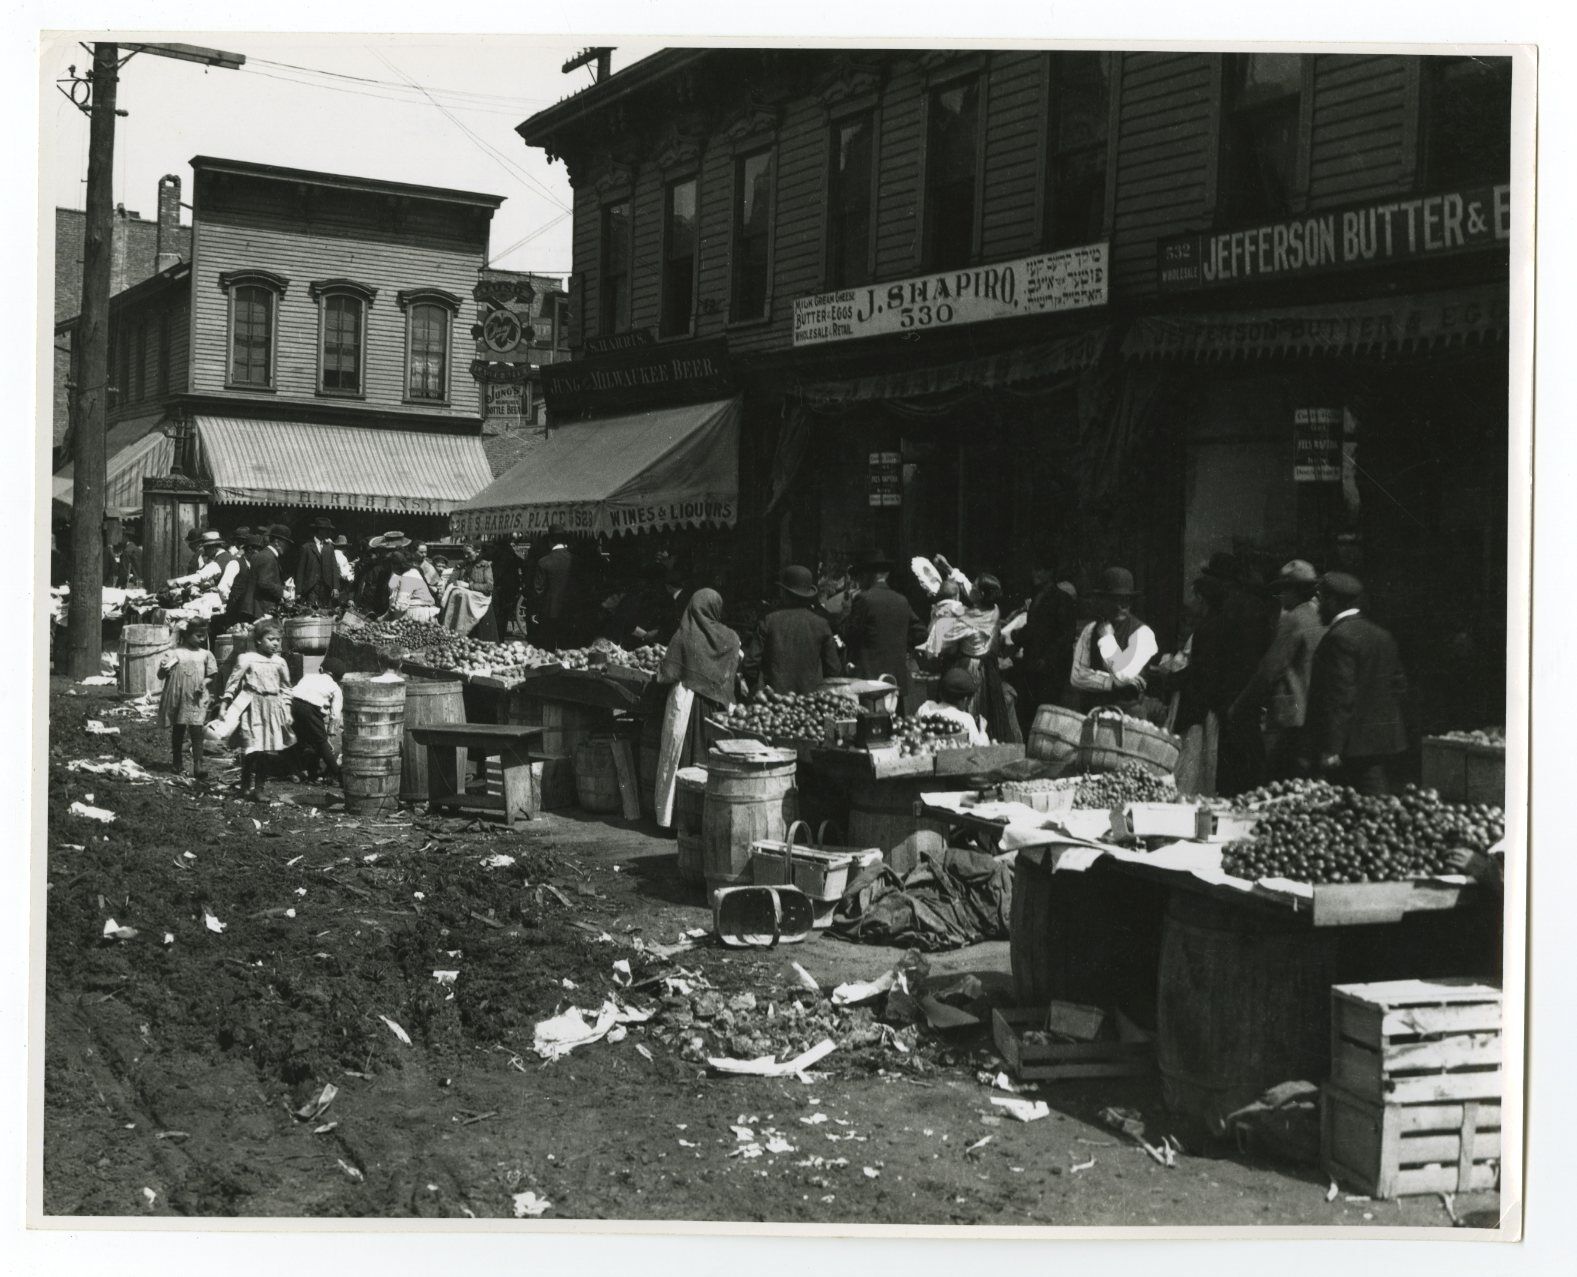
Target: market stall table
521, 799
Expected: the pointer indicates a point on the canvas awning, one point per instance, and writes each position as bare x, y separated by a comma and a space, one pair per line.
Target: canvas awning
134, 450
1405, 324
666, 468
296, 463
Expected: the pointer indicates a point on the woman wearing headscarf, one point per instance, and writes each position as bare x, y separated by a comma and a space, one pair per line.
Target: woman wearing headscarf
702, 664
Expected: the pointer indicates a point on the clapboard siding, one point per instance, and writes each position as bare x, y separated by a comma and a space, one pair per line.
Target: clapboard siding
144, 317
223, 245
646, 208
1356, 146
1015, 125
898, 165
585, 311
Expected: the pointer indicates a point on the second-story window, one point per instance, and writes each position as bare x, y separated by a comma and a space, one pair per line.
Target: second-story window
1262, 96
254, 302
752, 213
952, 161
429, 352
1467, 125
342, 334
849, 202
678, 297
613, 299
1081, 95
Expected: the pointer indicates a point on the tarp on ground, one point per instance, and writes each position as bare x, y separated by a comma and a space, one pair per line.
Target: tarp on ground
642, 472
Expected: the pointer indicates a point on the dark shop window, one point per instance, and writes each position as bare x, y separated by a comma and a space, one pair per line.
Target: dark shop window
1081, 96
613, 302
1263, 92
952, 158
849, 203
678, 258
752, 209
1467, 124
251, 336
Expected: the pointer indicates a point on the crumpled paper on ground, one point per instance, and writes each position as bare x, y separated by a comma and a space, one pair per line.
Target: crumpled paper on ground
124, 769
560, 1035
766, 1066
101, 814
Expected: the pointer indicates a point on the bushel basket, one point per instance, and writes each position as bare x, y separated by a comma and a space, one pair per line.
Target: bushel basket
1110, 739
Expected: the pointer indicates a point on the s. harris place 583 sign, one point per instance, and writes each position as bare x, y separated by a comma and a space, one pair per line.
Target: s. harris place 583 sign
1065, 280
1427, 226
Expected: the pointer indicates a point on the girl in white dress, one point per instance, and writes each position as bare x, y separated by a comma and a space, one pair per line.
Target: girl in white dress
257, 699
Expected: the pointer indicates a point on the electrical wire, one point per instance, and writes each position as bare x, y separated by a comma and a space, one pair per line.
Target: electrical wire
365, 79
382, 97
526, 239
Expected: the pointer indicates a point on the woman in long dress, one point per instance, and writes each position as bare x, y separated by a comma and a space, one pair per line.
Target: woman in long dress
702, 663
408, 592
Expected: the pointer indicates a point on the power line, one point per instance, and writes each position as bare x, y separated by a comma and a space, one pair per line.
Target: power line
408, 100
365, 79
526, 239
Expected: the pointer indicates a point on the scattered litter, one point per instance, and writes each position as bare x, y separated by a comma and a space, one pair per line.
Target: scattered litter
618, 1033
806, 980
870, 1172
1024, 1110
95, 728
697, 933
96, 680
498, 860
1330, 1193
446, 977
777, 1144
151, 1195
562, 1033
1082, 1166
212, 923
301, 891
1351, 1198
294, 860
72, 846
742, 1134
114, 931
169, 938
100, 814
766, 1066
622, 968
172, 1135
863, 990
979, 1144
643, 1050
325, 1128
746, 1151
815, 1119
314, 1108
350, 1170
396, 1030
688, 1144
418, 895
568, 983
124, 769
290, 913
529, 1205
1004, 1083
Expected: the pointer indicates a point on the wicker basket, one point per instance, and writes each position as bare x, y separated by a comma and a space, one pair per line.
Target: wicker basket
1110, 739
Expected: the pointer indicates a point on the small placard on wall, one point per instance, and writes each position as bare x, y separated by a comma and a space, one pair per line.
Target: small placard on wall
1317, 445
885, 479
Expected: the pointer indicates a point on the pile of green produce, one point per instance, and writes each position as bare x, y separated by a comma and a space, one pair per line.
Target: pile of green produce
927, 734
789, 715
1325, 833
1483, 736
1130, 783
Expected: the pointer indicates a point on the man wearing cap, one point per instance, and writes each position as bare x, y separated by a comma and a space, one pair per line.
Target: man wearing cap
1112, 652
794, 650
317, 570
194, 558
881, 625
1354, 728
1276, 700
238, 543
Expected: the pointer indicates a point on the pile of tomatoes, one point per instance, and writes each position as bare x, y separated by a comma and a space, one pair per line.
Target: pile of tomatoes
789, 715
1326, 833
1130, 783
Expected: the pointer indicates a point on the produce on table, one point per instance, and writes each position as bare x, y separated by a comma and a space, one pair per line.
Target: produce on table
442, 648
928, 734
1326, 833
1130, 783
789, 715
1024, 791
1482, 736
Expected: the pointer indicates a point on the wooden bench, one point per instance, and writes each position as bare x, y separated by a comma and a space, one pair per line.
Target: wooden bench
510, 743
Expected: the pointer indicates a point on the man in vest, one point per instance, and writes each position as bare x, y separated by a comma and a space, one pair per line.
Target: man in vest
317, 570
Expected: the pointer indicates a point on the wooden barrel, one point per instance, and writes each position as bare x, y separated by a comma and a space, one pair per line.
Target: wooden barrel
883, 813
141, 646
229, 646
1054, 736
427, 701
650, 744
743, 802
308, 633
596, 778
1244, 1004
374, 734
689, 811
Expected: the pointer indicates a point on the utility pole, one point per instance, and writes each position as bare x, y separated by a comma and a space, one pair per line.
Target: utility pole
91, 421
83, 617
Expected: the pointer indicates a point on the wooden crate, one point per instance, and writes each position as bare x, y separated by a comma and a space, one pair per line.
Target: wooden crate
1464, 771
1416, 1041
1059, 1061
1397, 1150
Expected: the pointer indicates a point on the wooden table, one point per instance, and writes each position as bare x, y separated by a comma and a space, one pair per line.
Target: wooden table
510, 743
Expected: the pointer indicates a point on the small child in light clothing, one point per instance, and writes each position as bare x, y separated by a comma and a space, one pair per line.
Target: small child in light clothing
316, 711
257, 697
187, 671
954, 691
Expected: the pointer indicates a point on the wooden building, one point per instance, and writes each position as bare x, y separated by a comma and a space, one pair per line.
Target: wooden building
312, 357
1101, 307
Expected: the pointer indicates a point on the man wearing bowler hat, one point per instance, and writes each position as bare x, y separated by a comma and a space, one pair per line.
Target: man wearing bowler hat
1113, 651
1354, 728
794, 650
881, 625
1276, 700
268, 576
317, 570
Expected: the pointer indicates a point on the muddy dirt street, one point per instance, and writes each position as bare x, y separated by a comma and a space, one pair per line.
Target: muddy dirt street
326, 1016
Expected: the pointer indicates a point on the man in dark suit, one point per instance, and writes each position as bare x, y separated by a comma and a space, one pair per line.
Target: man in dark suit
1276, 700
551, 588
881, 626
268, 577
1046, 640
317, 570
793, 650
242, 604
1354, 726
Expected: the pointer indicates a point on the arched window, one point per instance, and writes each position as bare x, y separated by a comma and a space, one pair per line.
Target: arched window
254, 303
429, 316
342, 328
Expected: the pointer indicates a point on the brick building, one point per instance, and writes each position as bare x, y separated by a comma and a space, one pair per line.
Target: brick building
1132, 307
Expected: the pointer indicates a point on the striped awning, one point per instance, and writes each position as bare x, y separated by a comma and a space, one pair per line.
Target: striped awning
296, 463
132, 455
1391, 325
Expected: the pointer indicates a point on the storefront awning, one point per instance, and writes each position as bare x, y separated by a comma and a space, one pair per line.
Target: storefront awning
295, 463
667, 468
1412, 324
134, 450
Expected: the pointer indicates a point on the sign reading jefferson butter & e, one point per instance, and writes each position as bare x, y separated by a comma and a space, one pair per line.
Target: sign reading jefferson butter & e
1065, 280
1381, 231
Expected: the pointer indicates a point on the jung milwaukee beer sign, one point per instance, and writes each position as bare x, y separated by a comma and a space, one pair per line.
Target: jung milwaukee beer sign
1066, 280
1381, 231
